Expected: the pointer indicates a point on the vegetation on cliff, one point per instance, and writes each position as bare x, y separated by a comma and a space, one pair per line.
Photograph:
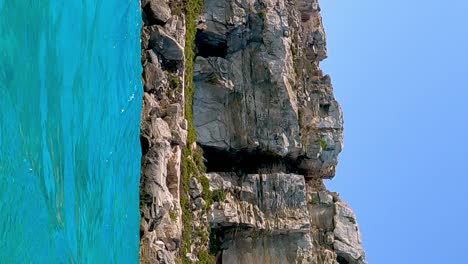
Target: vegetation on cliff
192, 161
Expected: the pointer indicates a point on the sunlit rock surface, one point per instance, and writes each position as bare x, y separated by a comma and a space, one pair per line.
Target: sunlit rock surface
269, 127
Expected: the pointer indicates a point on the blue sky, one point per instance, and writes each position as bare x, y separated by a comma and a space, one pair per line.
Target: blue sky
400, 71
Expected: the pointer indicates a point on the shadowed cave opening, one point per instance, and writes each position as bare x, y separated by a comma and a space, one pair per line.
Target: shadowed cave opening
210, 45
248, 161
145, 144
341, 260
324, 110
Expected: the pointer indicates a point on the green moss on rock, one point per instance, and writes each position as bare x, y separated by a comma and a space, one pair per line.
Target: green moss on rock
192, 161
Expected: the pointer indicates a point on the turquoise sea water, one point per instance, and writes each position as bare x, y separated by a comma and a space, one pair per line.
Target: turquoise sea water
70, 103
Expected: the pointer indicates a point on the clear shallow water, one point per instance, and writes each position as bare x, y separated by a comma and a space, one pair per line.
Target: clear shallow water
70, 90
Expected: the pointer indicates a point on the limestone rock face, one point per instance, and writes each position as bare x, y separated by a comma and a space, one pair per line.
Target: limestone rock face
271, 202
163, 133
165, 45
269, 128
157, 12
279, 218
259, 86
275, 248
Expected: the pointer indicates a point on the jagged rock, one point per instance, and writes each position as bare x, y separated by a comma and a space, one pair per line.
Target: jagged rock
350, 254
161, 225
268, 123
173, 172
200, 203
347, 241
179, 136
157, 11
196, 189
154, 77
325, 198
278, 249
253, 90
191, 257
279, 209
165, 257
175, 27
170, 244
166, 45
321, 216
174, 110
151, 108
160, 244
273, 202
161, 129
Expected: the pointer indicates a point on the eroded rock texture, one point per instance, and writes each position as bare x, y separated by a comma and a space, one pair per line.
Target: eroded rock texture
259, 86
274, 217
270, 130
163, 132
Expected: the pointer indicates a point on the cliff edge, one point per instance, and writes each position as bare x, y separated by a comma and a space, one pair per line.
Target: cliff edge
239, 129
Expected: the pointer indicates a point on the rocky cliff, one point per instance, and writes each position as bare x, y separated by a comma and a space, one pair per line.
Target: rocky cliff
239, 129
